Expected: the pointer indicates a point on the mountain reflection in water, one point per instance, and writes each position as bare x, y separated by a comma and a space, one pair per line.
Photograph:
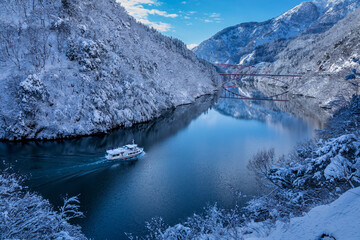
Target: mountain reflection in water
195, 154
47, 161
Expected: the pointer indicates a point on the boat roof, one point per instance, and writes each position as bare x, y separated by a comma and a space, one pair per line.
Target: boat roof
115, 151
131, 145
121, 149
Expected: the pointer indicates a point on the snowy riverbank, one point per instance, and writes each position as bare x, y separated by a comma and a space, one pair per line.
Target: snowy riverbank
338, 220
312, 193
317, 183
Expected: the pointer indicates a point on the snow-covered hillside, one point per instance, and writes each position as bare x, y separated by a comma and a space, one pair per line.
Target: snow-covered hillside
318, 39
255, 42
71, 67
325, 60
242, 42
311, 193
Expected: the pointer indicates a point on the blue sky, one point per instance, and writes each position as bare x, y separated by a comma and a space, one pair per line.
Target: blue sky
194, 21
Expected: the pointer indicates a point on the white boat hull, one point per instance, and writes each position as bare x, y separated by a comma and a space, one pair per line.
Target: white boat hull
132, 157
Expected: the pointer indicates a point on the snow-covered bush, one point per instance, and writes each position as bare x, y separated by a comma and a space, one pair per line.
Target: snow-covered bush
215, 223
86, 52
26, 215
333, 168
345, 121
32, 89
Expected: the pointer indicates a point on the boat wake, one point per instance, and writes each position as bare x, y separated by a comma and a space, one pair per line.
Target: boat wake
44, 177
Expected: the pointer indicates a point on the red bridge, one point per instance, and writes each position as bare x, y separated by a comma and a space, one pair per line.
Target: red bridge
259, 75
227, 89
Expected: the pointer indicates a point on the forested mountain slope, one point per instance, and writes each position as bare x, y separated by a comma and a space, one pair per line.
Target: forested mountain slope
71, 67
255, 42
317, 39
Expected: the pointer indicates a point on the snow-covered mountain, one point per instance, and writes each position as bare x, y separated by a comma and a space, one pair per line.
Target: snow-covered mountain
255, 42
233, 44
317, 39
72, 67
325, 60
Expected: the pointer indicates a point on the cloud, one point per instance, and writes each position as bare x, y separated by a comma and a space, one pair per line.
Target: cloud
160, 26
187, 15
162, 13
136, 8
213, 17
192, 46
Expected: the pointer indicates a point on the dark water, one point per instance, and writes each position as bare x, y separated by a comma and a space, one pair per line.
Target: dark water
194, 156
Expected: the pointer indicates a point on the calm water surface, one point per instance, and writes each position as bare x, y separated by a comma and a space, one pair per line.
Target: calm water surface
194, 156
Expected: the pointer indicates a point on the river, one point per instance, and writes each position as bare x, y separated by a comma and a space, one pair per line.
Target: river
195, 155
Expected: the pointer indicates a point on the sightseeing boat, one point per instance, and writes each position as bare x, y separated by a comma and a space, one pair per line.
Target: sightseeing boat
130, 152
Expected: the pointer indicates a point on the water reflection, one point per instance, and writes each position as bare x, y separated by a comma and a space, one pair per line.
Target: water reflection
47, 161
195, 155
304, 109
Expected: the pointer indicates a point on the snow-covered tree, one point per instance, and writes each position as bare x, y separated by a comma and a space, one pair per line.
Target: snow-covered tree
26, 215
315, 173
99, 68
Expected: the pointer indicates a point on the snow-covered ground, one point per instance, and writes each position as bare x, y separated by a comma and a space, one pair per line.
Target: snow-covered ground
338, 220
72, 68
